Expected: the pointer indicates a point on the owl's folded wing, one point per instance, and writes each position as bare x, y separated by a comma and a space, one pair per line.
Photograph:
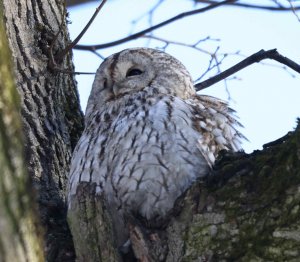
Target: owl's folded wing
218, 125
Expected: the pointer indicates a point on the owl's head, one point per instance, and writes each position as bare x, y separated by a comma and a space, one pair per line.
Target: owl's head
136, 69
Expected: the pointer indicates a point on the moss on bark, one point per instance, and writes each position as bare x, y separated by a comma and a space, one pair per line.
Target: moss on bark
251, 211
20, 238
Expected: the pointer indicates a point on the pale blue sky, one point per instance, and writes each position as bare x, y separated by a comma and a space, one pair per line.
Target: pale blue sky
266, 97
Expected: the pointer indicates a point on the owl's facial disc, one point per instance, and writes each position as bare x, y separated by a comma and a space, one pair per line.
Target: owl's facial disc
137, 69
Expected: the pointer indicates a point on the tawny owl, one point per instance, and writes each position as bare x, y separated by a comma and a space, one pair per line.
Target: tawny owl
148, 135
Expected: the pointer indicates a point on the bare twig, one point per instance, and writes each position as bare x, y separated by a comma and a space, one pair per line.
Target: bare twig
149, 13
97, 54
68, 72
214, 62
294, 10
192, 46
143, 32
216, 58
270, 8
255, 58
70, 46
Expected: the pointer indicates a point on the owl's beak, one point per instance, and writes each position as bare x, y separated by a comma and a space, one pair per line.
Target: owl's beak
115, 89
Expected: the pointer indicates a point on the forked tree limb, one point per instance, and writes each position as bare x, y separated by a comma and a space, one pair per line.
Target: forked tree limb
255, 58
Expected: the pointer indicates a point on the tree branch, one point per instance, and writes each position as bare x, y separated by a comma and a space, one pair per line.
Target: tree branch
243, 5
270, 8
255, 58
62, 54
78, 2
143, 32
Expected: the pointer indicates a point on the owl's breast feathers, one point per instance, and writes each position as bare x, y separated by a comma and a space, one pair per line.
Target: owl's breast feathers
143, 151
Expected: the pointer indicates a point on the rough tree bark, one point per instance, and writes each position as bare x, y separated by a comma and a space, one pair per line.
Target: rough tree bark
52, 119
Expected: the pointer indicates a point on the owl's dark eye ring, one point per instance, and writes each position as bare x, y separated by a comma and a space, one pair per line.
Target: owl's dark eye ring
134, 72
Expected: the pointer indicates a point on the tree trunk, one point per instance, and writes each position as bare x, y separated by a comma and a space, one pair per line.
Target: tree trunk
20, 238
52, 119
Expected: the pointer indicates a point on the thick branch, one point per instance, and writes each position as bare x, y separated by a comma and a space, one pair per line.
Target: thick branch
255, 58
264, 7
78, 2
150, 29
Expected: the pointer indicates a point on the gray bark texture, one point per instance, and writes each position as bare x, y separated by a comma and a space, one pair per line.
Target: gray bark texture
51, 115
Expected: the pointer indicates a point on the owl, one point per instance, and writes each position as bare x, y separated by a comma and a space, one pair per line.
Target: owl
148, 135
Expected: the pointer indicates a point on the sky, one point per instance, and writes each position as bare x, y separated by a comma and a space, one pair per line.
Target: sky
265, 96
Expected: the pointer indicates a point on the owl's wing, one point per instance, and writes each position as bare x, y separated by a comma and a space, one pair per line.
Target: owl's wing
217, 123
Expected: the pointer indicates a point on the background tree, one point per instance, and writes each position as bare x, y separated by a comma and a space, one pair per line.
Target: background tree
257, 220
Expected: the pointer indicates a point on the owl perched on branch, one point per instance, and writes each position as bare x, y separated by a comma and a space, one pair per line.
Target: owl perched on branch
148, 136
